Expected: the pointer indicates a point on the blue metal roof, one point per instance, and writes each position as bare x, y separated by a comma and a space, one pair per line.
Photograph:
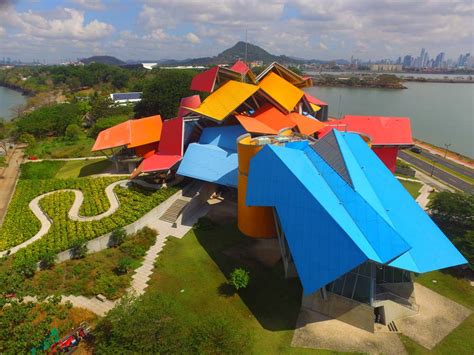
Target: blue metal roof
332, 226
214, 158
126, 96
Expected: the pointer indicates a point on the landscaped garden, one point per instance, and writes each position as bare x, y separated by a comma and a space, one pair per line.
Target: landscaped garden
20, 224
107, 272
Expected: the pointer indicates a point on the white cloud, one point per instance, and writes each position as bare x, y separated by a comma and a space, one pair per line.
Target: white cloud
191, 37
2, 31
323, 46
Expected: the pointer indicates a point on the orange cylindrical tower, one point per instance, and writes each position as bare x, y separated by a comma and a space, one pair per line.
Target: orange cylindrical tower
255, 222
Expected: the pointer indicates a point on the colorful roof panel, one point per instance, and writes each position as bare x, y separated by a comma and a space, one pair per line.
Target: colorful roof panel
381, 130
287, 74
281, 91
214, 158
332, 226
305, 124
225, 100
131, 133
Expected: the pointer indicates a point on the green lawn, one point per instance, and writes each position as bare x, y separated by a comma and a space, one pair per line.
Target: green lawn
57, 169
193, 271
82, 168
412, 187
58, 147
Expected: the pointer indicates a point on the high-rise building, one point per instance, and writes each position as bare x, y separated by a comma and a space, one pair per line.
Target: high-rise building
407, 61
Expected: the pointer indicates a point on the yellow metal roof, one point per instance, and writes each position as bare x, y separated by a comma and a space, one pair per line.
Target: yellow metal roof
315, 108
222, 102
281, 91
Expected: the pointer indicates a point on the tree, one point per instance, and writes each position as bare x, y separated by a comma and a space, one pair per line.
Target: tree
27, 138
454, 214
73, 132
79, 250
239, 278
162, 94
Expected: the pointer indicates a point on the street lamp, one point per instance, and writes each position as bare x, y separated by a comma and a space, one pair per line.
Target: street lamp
447, 145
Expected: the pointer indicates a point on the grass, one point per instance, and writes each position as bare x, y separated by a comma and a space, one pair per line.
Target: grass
442, 167
82, 168
40, 170
58, 147
194, 272
96, 273
56, 169
3, 162
412, 187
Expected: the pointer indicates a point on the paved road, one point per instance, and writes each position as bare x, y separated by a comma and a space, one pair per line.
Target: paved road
8, 176
445, 162
438, 173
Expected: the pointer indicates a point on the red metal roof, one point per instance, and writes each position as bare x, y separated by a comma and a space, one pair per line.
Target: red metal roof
314, 100
193, 101
381, 130
205, 81
169, 152
240, 67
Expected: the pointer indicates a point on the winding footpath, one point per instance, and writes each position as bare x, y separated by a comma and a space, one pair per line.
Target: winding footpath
141, 276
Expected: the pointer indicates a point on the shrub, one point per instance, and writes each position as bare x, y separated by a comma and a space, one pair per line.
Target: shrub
27, 138
47, 259
125, 265
24, 266
239, 278
79, 250
118, 236
73, 132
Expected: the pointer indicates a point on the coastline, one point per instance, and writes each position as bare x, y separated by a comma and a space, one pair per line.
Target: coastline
23, 91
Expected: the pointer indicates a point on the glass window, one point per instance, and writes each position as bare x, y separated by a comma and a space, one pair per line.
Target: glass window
362, 289
337, 288
349, 285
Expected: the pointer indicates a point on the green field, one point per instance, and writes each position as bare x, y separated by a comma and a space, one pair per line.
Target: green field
412, 187
58, 169
58, 147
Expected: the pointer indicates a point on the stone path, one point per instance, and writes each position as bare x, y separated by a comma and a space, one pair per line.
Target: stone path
142, 274
423, 199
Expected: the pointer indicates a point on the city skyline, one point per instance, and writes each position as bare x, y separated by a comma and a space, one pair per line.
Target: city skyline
153, 29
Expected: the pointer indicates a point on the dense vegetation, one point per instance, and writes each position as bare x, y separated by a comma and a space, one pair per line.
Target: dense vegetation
108, 272
162, 94
24, 326
454, 214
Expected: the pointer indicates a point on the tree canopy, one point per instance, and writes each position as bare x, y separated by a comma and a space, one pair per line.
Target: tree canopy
454, 214
162, 94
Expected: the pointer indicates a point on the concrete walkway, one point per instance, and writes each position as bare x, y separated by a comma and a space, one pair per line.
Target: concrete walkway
423, 199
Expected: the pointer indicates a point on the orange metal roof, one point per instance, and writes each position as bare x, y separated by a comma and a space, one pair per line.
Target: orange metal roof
287, 74
281, 91
266, 120
132, 133
306, 125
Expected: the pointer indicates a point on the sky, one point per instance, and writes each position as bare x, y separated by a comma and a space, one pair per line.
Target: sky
56, 31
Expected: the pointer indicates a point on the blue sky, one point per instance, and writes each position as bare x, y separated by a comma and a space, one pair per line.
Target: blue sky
56, 31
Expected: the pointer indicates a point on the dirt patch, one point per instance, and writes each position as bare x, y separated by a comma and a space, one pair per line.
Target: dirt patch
317, 331
437, 318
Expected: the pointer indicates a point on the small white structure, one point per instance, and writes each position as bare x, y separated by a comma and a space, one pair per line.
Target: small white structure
124, 98
149, 66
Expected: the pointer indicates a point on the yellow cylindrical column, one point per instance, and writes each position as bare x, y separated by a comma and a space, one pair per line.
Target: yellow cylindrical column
255, 222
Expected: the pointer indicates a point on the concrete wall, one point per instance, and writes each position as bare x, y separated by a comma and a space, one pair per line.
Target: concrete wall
344, 309
405, 290
104, 242
393, 311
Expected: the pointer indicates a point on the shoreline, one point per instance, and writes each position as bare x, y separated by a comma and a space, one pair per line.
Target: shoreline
24, 92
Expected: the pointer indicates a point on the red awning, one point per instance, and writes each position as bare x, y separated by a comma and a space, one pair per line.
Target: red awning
314, 100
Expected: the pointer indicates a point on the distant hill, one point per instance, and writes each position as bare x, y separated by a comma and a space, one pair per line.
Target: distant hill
230, 55
102, 59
